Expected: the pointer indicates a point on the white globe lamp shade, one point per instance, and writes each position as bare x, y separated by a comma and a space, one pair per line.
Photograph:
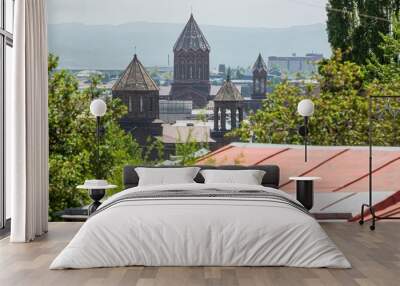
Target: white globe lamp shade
98, 107
305, 107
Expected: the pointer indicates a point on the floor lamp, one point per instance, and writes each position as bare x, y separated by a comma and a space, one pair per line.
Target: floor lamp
98, 108
370, 206
306, 109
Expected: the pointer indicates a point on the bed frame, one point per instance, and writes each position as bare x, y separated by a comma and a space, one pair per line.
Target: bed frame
271, 177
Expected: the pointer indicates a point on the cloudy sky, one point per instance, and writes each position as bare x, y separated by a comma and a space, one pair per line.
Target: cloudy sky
235, 13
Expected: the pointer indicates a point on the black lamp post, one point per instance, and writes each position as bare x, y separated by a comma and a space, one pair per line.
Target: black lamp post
98, 108
306, 109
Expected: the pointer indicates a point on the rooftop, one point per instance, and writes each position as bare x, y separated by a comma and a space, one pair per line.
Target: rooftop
181, 134
344, 171
191, 38
259, 65
135, 78
228, 92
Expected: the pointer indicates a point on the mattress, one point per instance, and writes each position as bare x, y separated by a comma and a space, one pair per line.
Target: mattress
201, 225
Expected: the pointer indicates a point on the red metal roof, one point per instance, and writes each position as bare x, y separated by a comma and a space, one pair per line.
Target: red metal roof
342, 169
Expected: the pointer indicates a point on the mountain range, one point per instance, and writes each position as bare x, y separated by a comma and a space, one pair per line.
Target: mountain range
81, 46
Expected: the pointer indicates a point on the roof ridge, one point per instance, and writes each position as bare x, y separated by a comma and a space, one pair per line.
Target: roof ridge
260, 63
228, 92
191, 37
135, 77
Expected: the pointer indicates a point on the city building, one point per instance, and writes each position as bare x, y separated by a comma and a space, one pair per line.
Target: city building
174, 110
137, 90
295, 65
221, 69
191, 66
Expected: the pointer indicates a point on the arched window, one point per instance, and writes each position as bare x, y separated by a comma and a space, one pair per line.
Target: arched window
151, 104
141, 104
129, 104
257, 85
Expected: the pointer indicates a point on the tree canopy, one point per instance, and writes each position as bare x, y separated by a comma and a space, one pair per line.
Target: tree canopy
72, 140
341, 109
355, 26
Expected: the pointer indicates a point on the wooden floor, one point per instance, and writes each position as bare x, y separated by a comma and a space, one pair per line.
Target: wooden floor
375, 257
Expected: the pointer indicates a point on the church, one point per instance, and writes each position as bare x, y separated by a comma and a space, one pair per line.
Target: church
191, 66
191, 82
138, 91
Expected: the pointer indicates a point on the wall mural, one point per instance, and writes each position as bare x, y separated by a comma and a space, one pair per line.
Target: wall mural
182, 81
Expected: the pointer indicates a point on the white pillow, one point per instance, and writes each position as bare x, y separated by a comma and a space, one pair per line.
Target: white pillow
166, 176
247, 177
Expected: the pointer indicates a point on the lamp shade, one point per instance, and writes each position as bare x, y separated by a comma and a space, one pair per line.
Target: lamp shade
98, 107
305, 107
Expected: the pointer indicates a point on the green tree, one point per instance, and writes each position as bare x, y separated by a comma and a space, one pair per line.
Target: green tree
341, 23
340, 116
72, 139
355, 26
341, 106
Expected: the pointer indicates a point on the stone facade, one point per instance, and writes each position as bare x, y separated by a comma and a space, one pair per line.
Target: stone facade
137, 90
228, 100
191, 66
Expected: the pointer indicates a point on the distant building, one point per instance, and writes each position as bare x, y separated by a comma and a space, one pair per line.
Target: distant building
222, 69
137, 90
191, 66
293, 65
86, 74
174, 110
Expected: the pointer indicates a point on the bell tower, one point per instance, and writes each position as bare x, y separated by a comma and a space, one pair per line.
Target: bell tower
137, 90
191, 66
259, 79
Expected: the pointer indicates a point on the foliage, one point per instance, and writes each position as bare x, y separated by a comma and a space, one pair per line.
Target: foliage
185, 151
72, 139
341, 112
354, 26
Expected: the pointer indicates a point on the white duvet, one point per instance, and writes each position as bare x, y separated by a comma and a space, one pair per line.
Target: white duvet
202, 232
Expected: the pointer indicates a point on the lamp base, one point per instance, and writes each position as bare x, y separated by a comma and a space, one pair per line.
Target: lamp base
96, 195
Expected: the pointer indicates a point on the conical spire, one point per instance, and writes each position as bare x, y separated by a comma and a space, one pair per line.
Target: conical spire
191, 38
135, 77
229, 91
259, 65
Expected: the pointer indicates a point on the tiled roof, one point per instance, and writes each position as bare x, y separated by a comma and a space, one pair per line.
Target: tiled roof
259, 65
182, 134
191, 38
342, 169
135, 78
228, 92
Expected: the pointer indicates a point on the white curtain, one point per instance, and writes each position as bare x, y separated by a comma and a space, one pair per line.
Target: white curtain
27, 124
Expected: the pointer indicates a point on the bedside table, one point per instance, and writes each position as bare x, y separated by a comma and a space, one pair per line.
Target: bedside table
305, 190
97, 190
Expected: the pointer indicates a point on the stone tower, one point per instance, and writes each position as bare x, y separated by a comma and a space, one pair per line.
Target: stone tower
259, 79
191, 66
228, 99
137, 90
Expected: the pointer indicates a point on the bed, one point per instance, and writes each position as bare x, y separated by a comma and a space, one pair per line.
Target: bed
201, 224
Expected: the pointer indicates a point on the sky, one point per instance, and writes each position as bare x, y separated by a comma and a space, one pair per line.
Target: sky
232, 13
